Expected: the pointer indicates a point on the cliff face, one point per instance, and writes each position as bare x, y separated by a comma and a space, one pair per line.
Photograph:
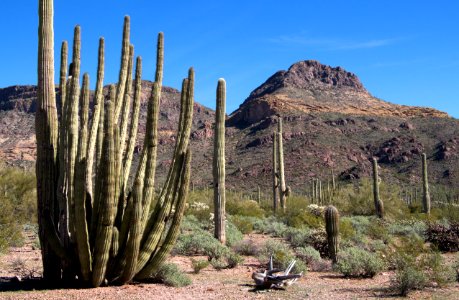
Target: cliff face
309, 87
330, 122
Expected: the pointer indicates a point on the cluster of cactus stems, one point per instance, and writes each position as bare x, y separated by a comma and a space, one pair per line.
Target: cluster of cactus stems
379, 205
425, 186
280, 191
332, 228
321, 195
219, 163
104, 232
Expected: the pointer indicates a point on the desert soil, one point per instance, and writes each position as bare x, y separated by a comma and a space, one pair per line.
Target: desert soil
209, 283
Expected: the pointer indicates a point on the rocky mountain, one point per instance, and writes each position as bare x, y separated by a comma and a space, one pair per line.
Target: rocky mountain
330, 122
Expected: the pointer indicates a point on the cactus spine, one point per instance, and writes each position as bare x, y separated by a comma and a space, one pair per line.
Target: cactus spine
332, 228
379, 206
425, 186
219, 163
112, 235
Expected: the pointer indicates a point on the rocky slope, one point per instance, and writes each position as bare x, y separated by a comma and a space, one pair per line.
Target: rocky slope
330, 122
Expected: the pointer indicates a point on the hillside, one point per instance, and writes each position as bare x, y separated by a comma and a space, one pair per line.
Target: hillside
330, 122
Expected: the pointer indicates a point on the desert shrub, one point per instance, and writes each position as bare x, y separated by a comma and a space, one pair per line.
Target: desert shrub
408, 227
377, 230
282, 256
346, 230
171, 275
358, 200
233, 260
271, 226
243, 224
356, 262
246, 247
312, 258
318, 240
233, 235
408, 276
199, 264
303, 218
297, 237
444, 237
437, 269
248, 208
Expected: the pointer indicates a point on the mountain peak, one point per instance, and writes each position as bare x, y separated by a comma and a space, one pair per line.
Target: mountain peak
311, 87
310, 75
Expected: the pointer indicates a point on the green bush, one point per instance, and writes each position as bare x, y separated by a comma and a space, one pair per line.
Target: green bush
282, 256
248, 208
233, 235
408, 276
246, 247
199, 264
312, 258
356, 262
243, 224
171, 275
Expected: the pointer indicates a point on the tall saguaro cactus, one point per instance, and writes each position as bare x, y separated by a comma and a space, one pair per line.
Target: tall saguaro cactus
332, 228
425, 186
104, 232
379, 206
219, 163
283, 190
275, 174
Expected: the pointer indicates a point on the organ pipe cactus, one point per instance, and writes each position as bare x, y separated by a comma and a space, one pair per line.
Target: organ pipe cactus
379, 205
104, 232
219, 163
425, 186
332, 228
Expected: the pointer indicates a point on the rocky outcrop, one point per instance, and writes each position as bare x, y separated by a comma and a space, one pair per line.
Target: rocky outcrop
311, 87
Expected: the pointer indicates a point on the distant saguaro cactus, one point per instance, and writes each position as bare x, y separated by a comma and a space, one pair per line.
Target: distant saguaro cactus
275, 174
425, 186
219, 163
379, 205
284, 191
332, 228
104, 232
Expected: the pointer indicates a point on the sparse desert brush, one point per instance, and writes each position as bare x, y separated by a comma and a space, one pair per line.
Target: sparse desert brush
199, 264
282, 256
249, 208
246, 247
171, 275
357, 262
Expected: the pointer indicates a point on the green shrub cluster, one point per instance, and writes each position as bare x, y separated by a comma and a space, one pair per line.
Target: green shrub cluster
171, 275
357, 262
282, 256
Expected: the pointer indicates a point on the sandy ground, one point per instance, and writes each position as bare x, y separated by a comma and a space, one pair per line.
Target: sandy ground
210, 284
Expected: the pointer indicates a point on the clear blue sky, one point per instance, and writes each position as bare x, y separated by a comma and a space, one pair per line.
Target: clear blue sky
405, 52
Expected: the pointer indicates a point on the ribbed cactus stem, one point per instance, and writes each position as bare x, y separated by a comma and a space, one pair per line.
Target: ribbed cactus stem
275, 174
46, 128
73, 123
332, 228
63, 75
98, 108
81, 226
280, 157
122, 78
379, 206
219, 163
159, 59
62, 151
134, 122
180, 199
425, 186
107, 200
